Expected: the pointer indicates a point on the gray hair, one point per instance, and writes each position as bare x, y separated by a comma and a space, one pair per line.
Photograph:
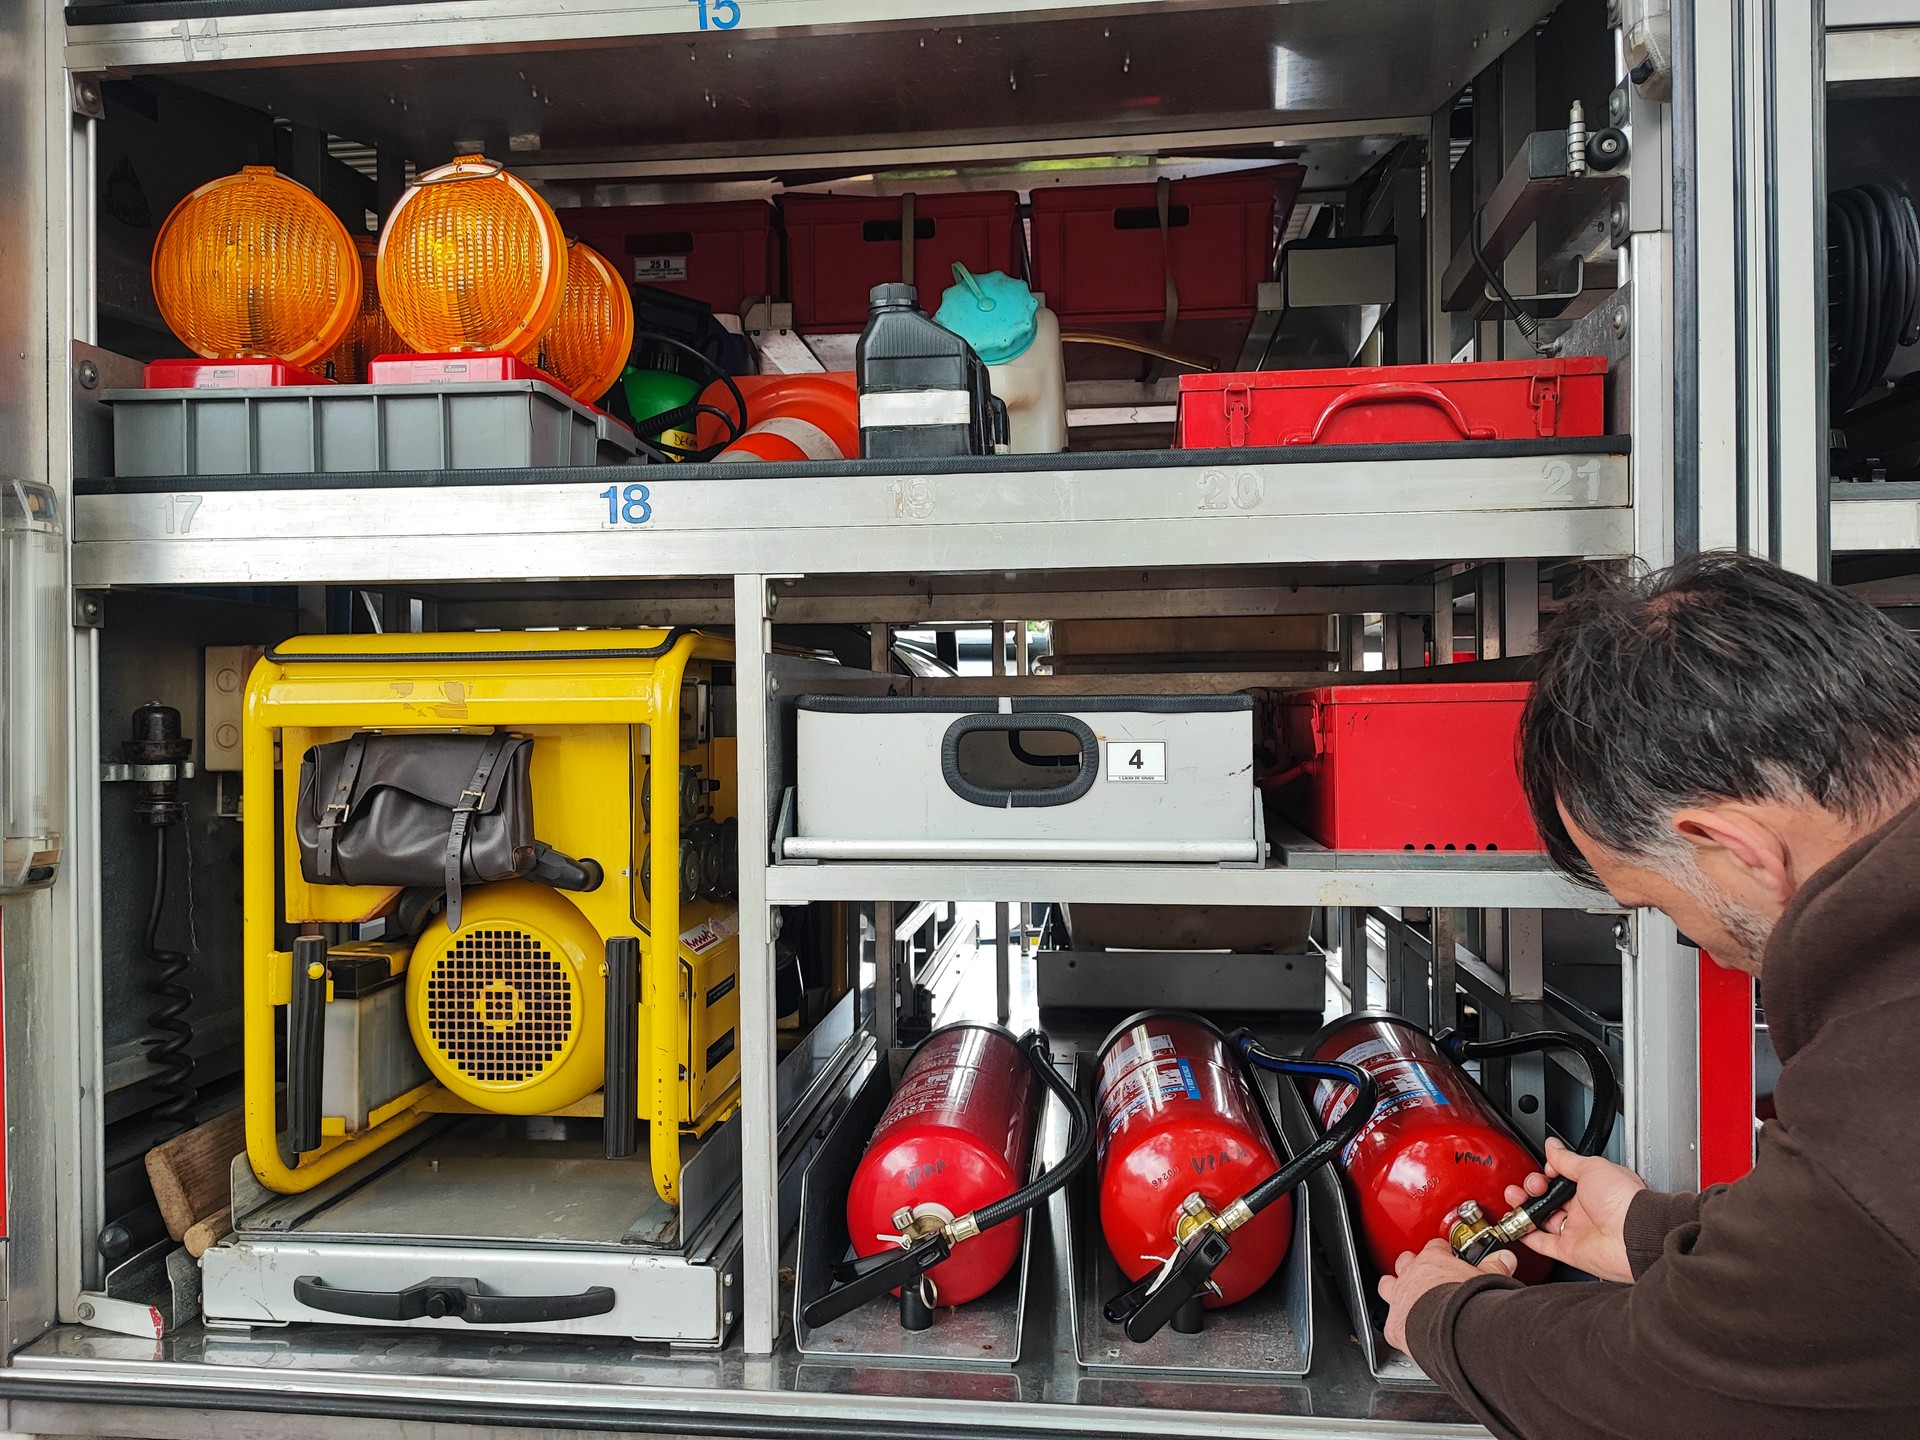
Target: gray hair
1722, 678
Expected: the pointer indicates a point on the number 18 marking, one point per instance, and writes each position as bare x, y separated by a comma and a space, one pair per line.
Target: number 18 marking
629, 505
718, 14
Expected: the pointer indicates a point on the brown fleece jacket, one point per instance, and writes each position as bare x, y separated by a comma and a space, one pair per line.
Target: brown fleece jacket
1786, 1304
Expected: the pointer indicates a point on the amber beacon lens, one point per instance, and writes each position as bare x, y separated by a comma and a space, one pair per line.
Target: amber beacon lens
472, 259
592, 333
371, 334
254, 265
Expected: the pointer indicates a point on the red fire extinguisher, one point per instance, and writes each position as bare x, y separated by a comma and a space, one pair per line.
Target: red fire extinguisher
1436, 1153
934, 1210
1186, 1159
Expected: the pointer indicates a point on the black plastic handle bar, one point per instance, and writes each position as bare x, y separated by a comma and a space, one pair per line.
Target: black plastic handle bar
456, 1299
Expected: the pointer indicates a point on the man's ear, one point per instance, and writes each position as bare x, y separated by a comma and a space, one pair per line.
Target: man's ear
1734, 843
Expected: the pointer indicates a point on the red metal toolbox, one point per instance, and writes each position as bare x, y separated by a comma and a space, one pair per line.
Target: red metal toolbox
1102, 256
1405, 767
1395, 404
721, 252
840, 246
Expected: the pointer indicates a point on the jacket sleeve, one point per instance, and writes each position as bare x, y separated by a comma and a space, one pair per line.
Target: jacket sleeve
1733, 1332
1651, 1217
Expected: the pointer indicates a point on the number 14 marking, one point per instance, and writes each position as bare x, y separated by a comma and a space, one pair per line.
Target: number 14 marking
718, 14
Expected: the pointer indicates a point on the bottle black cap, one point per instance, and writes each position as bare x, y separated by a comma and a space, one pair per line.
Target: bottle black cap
895, 292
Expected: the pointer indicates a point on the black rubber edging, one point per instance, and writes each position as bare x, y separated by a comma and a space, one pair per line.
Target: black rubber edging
1092, 461
714, 1422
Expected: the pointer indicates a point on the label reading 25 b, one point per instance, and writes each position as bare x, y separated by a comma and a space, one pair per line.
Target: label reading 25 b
627, 504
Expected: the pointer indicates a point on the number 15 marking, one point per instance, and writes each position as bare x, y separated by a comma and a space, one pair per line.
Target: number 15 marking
718, 14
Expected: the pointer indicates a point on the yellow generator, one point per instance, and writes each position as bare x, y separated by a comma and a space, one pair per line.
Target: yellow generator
495, 876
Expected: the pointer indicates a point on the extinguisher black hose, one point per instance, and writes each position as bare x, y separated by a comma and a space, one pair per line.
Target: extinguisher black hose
1338, 1135
1039, 1053
1599, 1131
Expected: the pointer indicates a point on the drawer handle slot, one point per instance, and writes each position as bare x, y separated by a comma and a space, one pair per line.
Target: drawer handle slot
1014, 776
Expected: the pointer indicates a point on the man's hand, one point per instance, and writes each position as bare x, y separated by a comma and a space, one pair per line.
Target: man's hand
1414, 1275
1590, 1233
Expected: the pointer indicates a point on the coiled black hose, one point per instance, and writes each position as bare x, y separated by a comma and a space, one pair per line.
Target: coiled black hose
1873, 294
172, 1034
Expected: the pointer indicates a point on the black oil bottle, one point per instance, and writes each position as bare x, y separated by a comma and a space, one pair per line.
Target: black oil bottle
924, 393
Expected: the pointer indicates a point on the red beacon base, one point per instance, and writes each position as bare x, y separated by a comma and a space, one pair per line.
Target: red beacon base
241, 373
453, 368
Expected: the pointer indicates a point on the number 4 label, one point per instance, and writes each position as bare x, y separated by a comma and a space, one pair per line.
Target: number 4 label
1137, 762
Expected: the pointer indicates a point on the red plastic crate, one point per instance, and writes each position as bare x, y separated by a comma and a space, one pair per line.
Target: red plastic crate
721, 252
249, 373
840, 246
1100, 259
471, 367
1406, 767
1395, 404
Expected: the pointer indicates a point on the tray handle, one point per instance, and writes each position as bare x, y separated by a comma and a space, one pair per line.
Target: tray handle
1412, 390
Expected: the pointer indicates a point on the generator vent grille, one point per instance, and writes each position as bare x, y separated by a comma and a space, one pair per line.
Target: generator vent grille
500, 1007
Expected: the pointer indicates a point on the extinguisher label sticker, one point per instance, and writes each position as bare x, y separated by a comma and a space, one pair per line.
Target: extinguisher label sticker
1124, 1057
1399, 1083
1137, 762
1150, 1086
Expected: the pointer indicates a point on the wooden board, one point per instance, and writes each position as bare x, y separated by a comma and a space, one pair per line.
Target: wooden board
191, 1173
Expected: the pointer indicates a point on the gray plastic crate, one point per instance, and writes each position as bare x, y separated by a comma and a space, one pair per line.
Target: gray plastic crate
337, 428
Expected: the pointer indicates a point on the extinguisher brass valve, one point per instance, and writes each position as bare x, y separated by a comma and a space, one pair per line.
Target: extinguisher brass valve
1474, 1236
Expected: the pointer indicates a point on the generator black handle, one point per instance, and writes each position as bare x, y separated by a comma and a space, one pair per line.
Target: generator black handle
451, 1299
306, 1043
1560, 1190
620, 1129
1338, 1135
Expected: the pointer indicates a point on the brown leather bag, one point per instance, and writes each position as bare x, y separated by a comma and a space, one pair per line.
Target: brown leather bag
415, 810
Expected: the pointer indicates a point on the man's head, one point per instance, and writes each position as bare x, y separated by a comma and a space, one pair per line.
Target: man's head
1704, 739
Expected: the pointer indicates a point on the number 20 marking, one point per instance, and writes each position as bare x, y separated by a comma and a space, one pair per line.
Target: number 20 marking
1240, 491
718, 14
631, 505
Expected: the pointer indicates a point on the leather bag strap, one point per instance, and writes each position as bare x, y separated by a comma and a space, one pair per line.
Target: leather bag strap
334, 812
472, 799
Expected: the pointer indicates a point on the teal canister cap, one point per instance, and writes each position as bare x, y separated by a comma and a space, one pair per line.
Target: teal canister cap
994, 313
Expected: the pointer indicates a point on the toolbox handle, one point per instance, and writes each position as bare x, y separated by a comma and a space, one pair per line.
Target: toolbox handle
1002, 798
1390, 390
451, 1299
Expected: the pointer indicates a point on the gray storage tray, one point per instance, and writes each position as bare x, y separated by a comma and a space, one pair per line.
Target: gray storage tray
295, 430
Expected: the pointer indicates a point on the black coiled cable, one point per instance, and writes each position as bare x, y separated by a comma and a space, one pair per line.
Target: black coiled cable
1873, 295
172, 1034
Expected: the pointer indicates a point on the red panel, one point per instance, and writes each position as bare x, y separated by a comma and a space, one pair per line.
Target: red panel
1395, 404
1726, 1072
1101, 258
3, 1110
719, 252
1406, 767
840, 246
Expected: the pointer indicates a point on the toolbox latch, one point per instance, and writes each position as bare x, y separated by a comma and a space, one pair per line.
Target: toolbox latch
1544, 395
1239, 413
